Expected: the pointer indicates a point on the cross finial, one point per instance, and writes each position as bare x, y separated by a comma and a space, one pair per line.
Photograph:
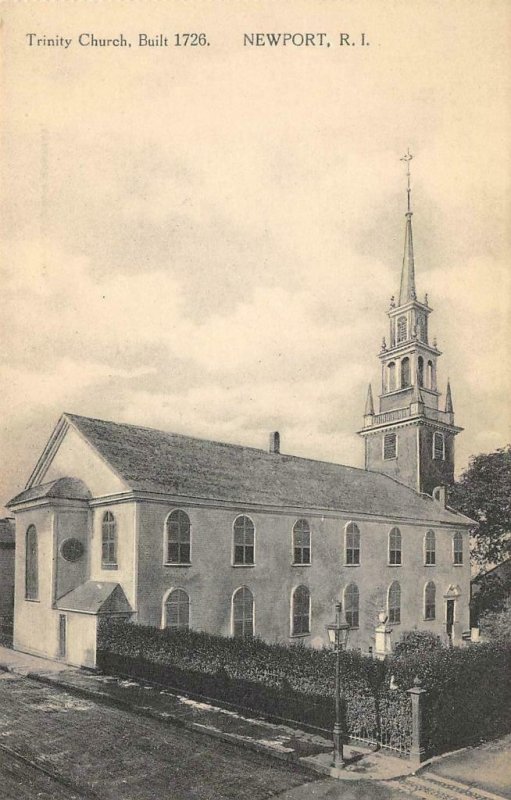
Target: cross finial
407, 158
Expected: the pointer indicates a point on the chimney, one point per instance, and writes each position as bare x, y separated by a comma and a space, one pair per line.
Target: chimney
274, 442
440, 495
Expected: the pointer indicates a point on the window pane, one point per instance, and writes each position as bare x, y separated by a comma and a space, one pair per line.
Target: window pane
301, 613
177, 609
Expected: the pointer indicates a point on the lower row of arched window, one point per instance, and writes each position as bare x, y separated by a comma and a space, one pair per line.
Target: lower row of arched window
176, 608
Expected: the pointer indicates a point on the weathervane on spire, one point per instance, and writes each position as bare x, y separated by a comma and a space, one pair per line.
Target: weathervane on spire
407, 158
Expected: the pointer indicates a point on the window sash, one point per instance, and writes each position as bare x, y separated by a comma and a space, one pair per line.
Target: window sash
177, 610
430, 610
352, 555
31, 566
395, 557
301, 613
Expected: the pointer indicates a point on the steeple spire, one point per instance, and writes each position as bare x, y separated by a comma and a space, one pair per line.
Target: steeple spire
407, 290
448, 399
369, 401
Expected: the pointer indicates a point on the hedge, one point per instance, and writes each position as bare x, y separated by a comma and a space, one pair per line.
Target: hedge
469, 689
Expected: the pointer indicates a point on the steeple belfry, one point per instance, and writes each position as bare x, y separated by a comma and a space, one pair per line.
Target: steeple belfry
407, 290
409, 437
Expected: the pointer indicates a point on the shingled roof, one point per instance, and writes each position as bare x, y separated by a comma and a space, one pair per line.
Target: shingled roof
150, 460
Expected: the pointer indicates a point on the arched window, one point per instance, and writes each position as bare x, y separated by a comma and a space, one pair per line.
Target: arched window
430, 375
429, 600
389, 446
301, 542
244, 535
401, 329
31, 564
352, 544
243, 613
177, 609
422, 328
300, 611
394, 602
395, 546
178, 538
429, 548
438, 446
108, 540
391, 380
351, 605
420, 370
457, 548
405, 373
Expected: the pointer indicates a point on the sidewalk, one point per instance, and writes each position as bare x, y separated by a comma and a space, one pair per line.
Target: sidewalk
309, 750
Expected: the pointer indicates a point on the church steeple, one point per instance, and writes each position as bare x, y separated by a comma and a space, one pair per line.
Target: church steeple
407, 290
410, 437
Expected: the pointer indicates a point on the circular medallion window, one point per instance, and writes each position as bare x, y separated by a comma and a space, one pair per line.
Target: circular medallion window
72, 549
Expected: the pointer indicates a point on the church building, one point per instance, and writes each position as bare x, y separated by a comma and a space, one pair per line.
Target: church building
174, 531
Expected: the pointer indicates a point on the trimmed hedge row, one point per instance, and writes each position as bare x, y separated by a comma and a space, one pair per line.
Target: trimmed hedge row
469, 689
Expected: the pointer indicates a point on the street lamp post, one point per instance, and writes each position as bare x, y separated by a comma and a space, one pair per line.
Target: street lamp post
338, 638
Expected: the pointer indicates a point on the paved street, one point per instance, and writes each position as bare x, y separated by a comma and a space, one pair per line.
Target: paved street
55, 745
114, 755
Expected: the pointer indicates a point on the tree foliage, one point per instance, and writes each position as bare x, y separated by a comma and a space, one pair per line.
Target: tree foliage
483, 492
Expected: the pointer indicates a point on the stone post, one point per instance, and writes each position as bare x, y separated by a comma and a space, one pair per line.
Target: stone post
418, 750
382, 634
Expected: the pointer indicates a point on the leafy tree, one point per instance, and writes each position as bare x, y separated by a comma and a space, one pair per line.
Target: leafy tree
496, 625
490, 593
483, 492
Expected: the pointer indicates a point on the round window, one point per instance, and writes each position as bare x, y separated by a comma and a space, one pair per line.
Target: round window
72, 549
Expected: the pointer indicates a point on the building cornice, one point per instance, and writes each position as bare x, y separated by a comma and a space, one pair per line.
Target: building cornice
137, 496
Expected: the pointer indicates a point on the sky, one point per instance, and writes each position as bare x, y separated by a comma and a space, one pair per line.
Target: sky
206, 240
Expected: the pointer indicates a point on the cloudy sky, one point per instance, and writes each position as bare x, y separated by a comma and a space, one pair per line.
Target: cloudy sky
206, 240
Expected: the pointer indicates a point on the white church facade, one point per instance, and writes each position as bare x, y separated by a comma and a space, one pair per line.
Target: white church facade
175, 531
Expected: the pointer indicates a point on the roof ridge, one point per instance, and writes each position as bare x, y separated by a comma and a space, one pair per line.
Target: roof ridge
224, 444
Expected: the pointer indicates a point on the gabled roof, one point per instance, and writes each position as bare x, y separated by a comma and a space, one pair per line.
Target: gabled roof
64, 488
155, 461
96, 597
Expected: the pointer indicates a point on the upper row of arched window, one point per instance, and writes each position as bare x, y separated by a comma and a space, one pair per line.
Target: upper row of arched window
399, 374
178, 542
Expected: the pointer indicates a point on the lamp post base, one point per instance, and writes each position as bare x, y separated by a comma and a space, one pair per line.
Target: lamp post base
338, 755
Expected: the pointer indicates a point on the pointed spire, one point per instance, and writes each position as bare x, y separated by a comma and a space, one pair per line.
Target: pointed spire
407, 290
448, 399
369, 402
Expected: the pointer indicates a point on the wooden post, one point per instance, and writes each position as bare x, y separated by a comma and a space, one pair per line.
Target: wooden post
418, 750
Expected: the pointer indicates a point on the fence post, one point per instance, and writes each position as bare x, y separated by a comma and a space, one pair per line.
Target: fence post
417, 697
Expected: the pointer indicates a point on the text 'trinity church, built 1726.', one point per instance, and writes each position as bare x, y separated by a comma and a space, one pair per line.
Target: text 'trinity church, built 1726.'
175, 531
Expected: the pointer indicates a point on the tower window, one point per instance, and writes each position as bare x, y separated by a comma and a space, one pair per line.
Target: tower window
395, 547
421, 328
405, 373
394, 603
401, 329
391, 382
439, 446
430, 601
429, 549
430, 375
351, 605
390, 446
301, 542
420, 370
457, 548
352, 544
